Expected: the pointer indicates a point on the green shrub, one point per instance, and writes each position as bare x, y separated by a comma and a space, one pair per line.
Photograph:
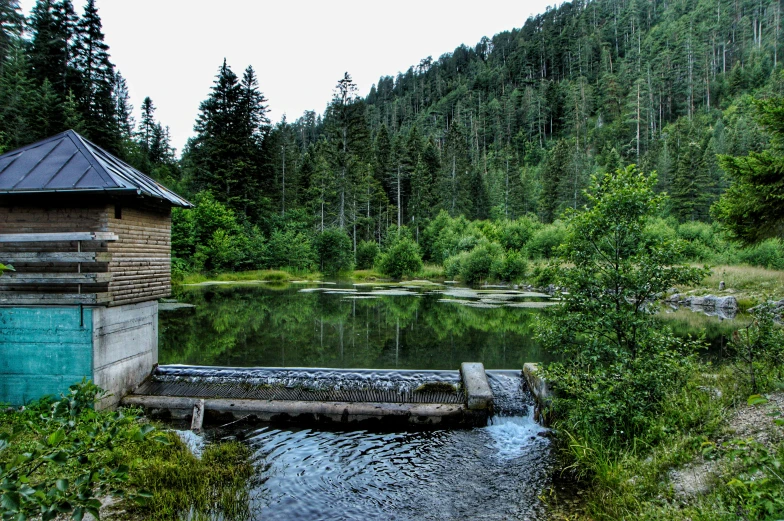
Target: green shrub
510, 267
56, 456
768, 254
454, 264
515, 235
619, 365
367, 251
401, 259
546, 240
289, 248
334, 250
478, 264
758, 349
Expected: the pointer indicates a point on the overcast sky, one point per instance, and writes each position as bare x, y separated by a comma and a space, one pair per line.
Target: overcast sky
170, 50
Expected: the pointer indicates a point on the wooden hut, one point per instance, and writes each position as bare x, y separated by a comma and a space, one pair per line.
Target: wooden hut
89, 237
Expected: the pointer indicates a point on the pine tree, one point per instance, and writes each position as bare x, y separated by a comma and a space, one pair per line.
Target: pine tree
752, 208
51, 54
11, 27
349, 139
123, 109
147, 124
16, 102
556, 170
47, 117
226, 154
96, 93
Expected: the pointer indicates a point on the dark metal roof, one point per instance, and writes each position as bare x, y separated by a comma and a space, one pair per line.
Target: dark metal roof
70, 163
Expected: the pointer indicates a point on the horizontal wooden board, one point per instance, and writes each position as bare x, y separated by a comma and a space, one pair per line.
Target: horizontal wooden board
42, 256
52, 299
56, 278
61, 237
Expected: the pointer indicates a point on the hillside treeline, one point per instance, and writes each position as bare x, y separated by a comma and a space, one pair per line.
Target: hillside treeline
511, 128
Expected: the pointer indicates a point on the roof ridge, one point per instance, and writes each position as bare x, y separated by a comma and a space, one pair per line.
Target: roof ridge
58, 170
81, 143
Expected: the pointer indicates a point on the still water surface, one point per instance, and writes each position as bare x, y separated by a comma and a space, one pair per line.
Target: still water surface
350, 326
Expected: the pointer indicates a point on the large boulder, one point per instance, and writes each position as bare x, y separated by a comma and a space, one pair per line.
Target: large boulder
728, 302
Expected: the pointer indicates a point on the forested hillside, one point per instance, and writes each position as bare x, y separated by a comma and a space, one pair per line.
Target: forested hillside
510, 128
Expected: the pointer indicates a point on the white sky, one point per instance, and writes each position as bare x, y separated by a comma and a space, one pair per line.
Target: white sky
170, 50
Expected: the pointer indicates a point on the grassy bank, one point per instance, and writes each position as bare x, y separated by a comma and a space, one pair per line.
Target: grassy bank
717, 458
430, 272
64, 458
747, 283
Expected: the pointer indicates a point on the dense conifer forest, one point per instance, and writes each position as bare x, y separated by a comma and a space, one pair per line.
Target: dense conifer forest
483, 147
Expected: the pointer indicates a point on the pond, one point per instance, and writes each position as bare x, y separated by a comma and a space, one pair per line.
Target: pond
496, 472
350, 326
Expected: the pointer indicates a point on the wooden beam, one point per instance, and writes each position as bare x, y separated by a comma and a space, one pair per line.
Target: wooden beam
55, 278
58, 237
12, 298
35, 256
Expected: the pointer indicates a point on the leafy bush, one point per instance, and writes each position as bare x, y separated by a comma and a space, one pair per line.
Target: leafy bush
759, 348
767, 254
513, 268
334, 250
210, 238
478, 264
619, 365
515, 235
401, 259
69, 465
289, 248
546, 240
454, 264
367, 251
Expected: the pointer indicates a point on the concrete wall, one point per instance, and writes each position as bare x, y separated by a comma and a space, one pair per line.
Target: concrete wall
43, 350
125, 347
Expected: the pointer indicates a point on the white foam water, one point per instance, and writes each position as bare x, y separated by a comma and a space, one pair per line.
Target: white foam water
512, 436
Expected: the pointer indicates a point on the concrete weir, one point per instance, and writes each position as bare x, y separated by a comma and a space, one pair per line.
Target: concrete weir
342, 398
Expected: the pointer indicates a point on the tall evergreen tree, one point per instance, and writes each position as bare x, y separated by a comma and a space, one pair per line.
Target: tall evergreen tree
53, 28
96, 71
11, 27
556, 170
349, 138
225, 156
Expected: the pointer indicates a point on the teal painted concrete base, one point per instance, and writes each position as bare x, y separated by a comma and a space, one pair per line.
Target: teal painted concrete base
43, 350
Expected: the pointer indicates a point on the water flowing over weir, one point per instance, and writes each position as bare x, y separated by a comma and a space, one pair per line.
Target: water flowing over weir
494, 472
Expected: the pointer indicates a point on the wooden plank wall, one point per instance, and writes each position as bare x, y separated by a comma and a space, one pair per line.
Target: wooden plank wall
141, 258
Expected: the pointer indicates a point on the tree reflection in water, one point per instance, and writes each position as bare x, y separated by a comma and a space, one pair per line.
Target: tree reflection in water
267, 326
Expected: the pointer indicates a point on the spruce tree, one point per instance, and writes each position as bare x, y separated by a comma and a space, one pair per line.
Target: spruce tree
225, 157
752, 208
123, 109
556, 170
53, 36
96, 93
11, 27
349, 139
17, 97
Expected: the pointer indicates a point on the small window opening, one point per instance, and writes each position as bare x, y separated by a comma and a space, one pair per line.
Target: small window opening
117, 212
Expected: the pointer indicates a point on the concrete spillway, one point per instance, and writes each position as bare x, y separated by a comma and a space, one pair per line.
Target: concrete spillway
339, 397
